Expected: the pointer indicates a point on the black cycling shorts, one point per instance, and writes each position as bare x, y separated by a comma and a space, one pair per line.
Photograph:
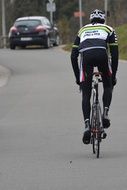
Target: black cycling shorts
95, 58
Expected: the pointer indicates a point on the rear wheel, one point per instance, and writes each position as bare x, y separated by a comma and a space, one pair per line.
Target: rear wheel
97, 148
93, 121
47, 42
93, 144
98, 133
95, 141
95, 130
57, 41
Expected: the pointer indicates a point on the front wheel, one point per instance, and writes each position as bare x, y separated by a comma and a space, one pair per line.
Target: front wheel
57, 41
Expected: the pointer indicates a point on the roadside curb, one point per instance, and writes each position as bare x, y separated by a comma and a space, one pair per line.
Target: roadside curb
4, 75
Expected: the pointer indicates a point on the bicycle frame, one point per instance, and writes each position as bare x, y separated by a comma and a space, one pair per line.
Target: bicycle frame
96, 116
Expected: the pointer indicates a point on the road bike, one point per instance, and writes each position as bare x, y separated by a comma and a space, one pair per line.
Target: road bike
97, 129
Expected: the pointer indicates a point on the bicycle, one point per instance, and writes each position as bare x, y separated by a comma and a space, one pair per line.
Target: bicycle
97, 130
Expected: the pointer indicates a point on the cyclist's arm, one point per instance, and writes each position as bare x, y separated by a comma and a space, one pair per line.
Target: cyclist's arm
74, 58
113, 44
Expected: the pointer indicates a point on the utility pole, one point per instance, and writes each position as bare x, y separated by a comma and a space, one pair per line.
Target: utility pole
106, 10
3, 23
80, 13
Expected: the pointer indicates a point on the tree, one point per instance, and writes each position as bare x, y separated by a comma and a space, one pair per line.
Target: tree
65, 13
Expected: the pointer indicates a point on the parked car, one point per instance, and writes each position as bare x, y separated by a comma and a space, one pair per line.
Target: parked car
33, 30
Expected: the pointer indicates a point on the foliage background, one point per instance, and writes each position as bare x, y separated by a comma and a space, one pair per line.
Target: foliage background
64, 15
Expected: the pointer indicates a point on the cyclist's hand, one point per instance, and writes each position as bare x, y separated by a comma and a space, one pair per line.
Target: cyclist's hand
114, 81
77, 82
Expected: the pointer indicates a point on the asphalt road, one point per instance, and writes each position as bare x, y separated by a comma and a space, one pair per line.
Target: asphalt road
41, 127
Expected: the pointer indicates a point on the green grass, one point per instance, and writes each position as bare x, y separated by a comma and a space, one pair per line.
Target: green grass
67, 47
122, 41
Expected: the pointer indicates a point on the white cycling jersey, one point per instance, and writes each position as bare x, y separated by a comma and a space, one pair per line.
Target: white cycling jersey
96, 36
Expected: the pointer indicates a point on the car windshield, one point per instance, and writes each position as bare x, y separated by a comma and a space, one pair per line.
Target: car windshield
32, 23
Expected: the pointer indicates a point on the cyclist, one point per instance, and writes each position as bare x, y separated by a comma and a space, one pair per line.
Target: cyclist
92, 43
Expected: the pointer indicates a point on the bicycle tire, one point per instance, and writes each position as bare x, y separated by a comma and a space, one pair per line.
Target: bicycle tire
93, 144
95, 131
98, 135
96, 117
98, 148
93, 117
96, 145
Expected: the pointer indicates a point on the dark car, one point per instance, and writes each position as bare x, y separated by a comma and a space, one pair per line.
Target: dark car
33, 30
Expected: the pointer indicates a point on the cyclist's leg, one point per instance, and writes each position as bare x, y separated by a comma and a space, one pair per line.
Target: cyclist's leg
86, 95
86, 107
107, 97
107, 85
86, 87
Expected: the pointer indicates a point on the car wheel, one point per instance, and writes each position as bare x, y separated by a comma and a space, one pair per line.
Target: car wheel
47, 42
57, 41
12, 46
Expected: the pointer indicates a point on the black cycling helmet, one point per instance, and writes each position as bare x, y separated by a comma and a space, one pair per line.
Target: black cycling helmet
97, 16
